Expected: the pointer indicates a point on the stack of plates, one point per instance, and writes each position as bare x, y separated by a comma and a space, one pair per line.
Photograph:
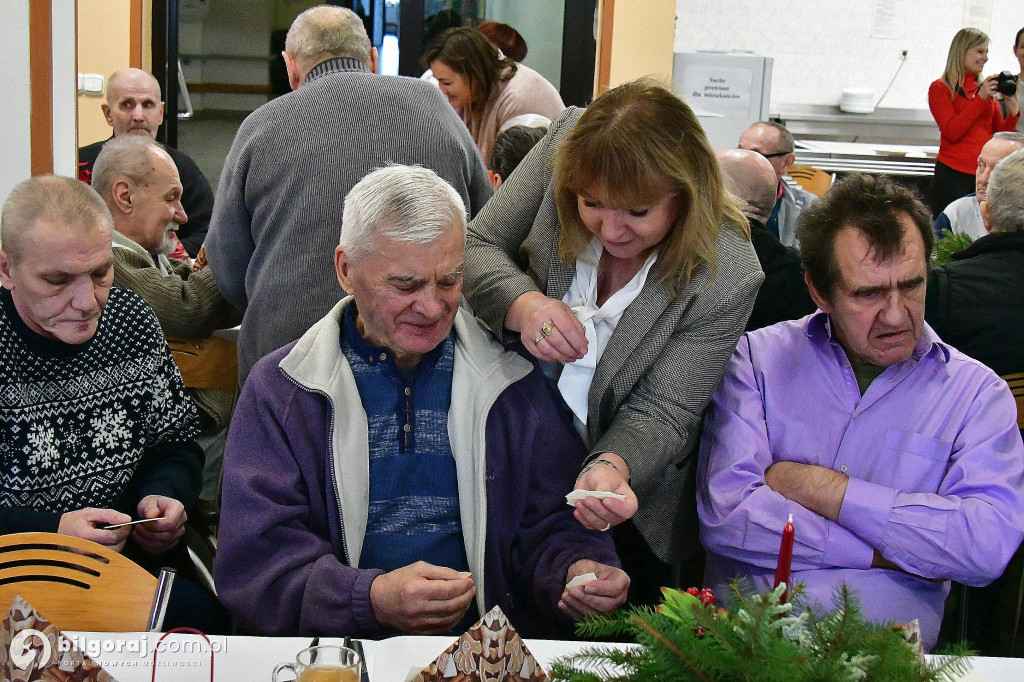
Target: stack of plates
857, 101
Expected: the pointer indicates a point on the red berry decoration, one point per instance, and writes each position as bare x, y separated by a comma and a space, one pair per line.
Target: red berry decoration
707, 597
694, 591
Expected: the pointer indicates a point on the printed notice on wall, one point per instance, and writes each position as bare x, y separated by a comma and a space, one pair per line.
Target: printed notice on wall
887, 20
716, 90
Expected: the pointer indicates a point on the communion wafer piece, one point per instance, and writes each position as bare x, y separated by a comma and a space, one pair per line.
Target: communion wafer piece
576, 495
582, 579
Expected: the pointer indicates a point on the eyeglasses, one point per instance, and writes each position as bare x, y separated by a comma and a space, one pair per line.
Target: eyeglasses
774, 154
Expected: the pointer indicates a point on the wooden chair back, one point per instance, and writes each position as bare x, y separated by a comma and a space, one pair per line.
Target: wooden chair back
814, 180
1016, 382
206, 363
76, 584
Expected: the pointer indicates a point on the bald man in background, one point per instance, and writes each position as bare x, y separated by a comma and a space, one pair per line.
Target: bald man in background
783, 295
772, 141
134, 107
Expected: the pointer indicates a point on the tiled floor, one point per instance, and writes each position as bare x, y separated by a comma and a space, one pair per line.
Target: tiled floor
208, 140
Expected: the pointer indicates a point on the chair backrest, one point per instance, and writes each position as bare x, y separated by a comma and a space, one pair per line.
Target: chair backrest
76, 584
206, 363
814, 180
1016, 382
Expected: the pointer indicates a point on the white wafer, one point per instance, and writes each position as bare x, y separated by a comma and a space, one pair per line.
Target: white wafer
576, 495
581, 580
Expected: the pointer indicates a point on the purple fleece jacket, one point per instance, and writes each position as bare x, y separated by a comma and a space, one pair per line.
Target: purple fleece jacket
283, 565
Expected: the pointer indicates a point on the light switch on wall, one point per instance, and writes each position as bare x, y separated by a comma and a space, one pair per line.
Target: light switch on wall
90, 84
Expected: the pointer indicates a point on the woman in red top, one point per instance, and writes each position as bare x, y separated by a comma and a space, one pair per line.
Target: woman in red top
967, 113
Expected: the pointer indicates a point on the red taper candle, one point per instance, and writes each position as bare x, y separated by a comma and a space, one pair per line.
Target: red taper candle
782, 569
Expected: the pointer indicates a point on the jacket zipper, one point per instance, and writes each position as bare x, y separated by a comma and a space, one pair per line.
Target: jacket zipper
330, 463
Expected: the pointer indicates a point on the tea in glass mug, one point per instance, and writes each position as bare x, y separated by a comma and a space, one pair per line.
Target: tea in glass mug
325, 663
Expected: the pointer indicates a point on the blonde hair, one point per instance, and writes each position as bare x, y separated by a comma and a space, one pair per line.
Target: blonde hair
633, 145
965, 39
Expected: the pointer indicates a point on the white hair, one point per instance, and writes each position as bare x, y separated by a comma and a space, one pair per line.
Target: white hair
408, 204
325, 31
1005, 194
124, 156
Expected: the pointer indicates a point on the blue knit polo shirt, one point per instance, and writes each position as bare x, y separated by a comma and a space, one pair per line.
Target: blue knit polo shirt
414, 494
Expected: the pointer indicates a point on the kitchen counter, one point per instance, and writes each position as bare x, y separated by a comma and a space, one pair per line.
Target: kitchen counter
884, 125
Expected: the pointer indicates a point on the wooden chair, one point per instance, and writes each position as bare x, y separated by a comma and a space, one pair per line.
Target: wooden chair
206, 363
1016, 382
814, 180
77, 584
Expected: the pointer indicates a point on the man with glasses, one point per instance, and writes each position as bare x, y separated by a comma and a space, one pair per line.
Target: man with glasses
772, 141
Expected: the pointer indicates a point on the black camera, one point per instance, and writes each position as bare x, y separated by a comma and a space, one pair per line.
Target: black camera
1006, 83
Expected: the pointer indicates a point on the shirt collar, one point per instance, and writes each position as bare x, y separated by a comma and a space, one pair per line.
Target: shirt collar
335, 65
819, 330
366, 350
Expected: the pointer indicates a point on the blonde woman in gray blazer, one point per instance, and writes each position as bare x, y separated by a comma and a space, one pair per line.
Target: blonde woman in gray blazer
636, 173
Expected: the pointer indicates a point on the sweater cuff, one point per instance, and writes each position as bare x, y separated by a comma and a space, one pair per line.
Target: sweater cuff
362, 605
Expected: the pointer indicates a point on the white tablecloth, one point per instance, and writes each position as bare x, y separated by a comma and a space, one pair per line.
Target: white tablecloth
184, 658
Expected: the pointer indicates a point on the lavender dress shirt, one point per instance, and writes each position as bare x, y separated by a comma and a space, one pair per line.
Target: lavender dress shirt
933, 453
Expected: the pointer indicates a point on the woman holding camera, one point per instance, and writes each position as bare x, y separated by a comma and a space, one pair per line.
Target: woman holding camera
486, 87
967, 113
618, 258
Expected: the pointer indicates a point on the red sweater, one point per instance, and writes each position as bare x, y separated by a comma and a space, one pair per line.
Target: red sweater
965, 123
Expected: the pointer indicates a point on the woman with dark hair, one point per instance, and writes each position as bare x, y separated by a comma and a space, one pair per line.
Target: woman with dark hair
506, 39
967, 113
617, 257
485, 86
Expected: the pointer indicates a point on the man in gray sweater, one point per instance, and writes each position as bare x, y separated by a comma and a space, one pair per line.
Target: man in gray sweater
279, 203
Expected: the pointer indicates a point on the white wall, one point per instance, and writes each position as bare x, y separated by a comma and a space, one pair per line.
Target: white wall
16, 112
65, 89
823, 46
540, 23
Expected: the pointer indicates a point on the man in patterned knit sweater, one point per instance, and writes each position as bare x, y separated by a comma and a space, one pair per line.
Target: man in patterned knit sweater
140, 185
279, 201
95, 426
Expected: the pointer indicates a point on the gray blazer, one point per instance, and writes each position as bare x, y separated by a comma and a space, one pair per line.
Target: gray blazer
663, 361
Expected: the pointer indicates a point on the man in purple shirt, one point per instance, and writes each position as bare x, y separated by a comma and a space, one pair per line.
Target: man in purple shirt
898, 456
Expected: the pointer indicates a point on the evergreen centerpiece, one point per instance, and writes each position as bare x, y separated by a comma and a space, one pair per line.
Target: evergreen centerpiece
758, 638
948, 244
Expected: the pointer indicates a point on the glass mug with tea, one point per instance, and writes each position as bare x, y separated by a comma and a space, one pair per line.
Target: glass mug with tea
323, 664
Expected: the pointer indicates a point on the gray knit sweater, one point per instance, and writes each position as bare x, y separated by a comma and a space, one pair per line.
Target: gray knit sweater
277, 215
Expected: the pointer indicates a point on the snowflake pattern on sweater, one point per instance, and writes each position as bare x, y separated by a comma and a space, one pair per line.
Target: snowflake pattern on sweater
76, 421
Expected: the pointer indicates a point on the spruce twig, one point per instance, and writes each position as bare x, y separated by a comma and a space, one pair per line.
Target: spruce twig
669, 645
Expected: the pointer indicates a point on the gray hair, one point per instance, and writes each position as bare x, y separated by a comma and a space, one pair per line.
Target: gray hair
1011, 136
323, 32
64, 201
408, 204
1005, 194
124, 156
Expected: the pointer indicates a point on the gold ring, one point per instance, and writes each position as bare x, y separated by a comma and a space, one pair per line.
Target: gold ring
606, 526
547, 328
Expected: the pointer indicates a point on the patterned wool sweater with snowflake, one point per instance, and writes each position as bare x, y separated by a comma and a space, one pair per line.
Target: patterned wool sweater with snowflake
101, 424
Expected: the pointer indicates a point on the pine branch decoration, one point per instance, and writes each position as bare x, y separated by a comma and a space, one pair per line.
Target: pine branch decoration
758, 638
